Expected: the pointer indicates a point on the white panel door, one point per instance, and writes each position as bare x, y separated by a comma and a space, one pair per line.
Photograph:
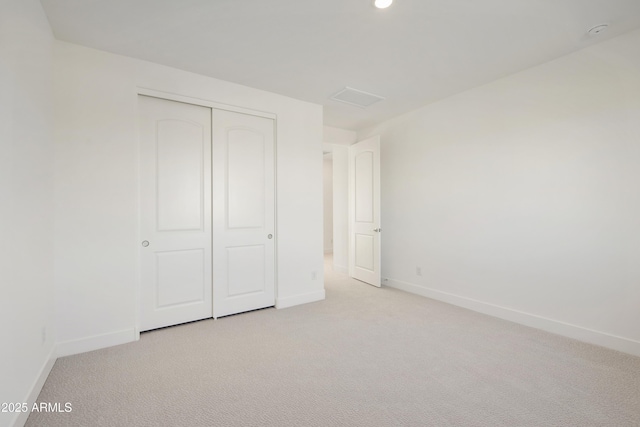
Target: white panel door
243, 213
364, 211
175, 197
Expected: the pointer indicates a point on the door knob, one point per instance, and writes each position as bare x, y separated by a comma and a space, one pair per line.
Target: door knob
270, 236
377, 230
145, 243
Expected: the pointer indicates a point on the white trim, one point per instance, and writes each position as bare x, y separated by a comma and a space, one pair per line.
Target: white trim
300, 299
137, 314
580, 333
276, 281
21, 417
203, 102
328, 250
82, 345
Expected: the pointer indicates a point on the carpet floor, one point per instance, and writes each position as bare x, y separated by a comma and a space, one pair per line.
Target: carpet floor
363, 357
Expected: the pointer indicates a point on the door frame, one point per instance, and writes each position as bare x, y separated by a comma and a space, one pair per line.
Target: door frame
219, 106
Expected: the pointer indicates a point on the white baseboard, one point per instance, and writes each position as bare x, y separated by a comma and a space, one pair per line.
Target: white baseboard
580, 333
300, 299
82, 345
21, 417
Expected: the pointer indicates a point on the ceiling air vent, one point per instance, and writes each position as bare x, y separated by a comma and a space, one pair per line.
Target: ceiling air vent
356, 97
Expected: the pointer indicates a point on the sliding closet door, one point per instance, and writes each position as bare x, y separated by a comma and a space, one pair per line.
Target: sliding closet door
243, 213
175, 186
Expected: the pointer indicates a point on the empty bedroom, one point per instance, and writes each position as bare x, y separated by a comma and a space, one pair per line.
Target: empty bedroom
330, 213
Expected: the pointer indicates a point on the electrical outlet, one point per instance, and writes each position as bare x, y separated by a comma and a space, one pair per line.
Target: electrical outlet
418, 271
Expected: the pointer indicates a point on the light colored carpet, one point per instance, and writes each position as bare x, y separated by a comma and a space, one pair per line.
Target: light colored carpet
363, 357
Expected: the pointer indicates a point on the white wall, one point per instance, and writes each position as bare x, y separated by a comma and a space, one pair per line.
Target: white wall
521, 198
337, 142
97, 234
327, 188
26, 191
340, 157
331, 135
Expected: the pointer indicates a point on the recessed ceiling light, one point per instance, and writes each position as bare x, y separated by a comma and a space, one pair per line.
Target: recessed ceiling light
382, 4
594, 31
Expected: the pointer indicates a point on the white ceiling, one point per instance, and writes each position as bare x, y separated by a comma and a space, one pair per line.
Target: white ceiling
413, 53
